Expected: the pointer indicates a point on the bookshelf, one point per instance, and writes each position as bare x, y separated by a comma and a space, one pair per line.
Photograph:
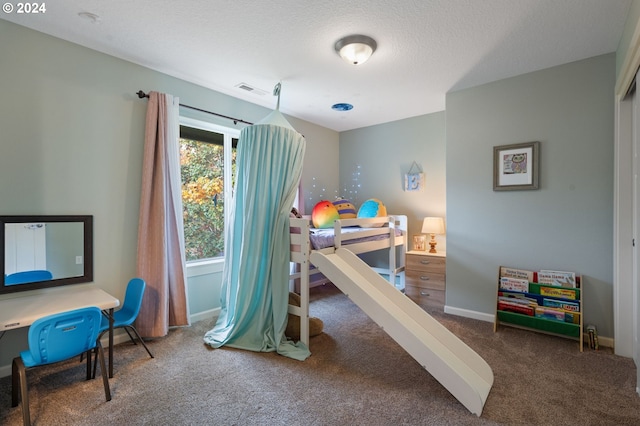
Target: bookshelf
544, 301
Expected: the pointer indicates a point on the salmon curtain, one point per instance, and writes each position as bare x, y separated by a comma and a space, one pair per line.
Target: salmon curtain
161, 252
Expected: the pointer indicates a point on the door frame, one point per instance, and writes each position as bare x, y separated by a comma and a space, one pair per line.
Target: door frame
625, 265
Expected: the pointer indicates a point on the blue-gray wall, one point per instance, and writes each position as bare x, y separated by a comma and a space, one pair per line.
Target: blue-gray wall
565, 225
385, 153
71, 142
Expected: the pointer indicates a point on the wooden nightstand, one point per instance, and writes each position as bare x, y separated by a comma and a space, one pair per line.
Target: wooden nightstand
425, 277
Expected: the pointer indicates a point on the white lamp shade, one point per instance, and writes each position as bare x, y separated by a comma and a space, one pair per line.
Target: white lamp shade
356, 49
433, 225
356, 53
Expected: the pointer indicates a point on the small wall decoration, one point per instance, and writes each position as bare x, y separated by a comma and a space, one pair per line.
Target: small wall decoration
516, 166
420, 242
414, 179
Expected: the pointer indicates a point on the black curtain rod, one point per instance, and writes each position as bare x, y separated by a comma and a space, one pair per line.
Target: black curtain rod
141, 95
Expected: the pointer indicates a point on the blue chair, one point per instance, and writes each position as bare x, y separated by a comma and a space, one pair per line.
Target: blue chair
125, 316
56, 338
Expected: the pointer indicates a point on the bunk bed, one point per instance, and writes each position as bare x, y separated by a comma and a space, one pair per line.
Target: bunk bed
358, 236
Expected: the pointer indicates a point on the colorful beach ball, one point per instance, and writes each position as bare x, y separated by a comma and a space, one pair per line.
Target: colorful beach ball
324, 214
346, 209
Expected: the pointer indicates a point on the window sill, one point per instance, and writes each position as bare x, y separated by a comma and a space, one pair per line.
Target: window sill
204, 267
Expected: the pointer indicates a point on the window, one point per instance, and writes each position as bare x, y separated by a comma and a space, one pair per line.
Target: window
207, 164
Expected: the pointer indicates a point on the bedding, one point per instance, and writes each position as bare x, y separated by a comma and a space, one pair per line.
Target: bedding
323, 238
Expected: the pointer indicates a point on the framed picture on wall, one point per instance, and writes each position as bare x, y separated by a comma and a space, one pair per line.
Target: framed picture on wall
516, 166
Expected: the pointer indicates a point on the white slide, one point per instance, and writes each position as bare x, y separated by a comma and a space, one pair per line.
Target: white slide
447, 358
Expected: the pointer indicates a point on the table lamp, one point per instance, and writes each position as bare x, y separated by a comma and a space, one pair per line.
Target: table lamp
433, 226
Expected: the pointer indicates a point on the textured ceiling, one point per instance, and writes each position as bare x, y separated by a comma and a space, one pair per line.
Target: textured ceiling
425, 47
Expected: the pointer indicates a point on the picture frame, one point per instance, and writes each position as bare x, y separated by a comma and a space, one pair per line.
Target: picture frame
516, 167
414, 180
420, 242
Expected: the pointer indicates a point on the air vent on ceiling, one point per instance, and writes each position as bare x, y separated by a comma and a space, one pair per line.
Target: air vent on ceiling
251, 89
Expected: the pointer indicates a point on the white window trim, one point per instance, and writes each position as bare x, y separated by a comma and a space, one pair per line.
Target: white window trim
214, 265
195, 268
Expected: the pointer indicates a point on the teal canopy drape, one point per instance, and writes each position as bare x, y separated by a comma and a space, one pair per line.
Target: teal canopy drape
255, 288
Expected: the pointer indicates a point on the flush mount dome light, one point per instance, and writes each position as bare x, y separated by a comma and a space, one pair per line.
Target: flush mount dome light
342, 107
356, 49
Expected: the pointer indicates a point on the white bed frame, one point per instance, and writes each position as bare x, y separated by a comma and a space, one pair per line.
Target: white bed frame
301, 251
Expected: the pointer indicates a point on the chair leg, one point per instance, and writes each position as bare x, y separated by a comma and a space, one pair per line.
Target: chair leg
130, 336
19, 378
95, 361
15, 383
103, 369
88, 364
140, 338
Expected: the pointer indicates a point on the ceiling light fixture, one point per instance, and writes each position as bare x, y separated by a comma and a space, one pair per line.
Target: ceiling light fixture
356, 49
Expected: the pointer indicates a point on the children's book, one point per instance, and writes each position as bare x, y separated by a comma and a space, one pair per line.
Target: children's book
517, 273
514, 284
557, 278
564, 293
561, 304
515, 307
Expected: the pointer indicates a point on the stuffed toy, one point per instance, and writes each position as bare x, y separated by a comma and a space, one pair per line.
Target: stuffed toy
324, 214
372, 208
293, 325
346, 209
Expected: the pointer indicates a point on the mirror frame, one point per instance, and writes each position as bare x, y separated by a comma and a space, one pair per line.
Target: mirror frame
87, 276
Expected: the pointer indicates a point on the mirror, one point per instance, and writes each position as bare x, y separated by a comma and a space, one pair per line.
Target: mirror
45, 251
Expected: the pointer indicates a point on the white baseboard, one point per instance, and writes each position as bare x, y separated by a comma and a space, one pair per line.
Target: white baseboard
603, 341
607, 342
205, 315
481, 316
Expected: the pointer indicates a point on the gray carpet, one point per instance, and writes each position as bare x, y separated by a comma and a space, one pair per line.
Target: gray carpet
357, 375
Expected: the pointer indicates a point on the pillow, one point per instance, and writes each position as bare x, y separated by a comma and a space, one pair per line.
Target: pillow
346, 209
324, 214
372, 208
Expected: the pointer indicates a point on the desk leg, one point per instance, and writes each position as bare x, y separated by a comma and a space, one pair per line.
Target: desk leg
111, 343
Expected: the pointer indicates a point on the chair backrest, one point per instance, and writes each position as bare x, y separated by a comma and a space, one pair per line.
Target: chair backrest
132, 301
28, 277
64, 335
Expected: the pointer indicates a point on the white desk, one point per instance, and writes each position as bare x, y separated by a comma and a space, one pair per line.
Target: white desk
22, 311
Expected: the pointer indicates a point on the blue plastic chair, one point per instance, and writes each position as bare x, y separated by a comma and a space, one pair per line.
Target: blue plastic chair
125, 316
56, 338
27, 277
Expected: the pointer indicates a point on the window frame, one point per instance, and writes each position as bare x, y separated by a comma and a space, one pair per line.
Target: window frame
214, 264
